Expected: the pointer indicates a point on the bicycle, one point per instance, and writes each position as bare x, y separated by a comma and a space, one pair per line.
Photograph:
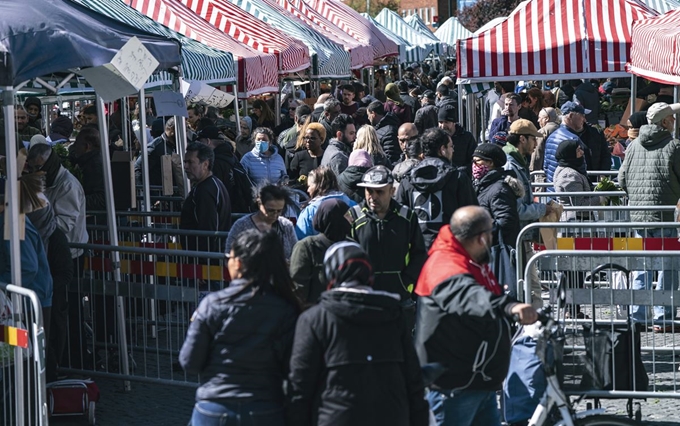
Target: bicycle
564, 414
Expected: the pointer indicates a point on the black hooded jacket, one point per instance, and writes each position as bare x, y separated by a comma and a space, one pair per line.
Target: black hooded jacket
348, 181
387, 129
496, 194
93, 180
434, 190
464, 145
354, 364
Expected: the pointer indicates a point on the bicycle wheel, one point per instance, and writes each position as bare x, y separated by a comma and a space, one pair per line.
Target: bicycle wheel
604, 420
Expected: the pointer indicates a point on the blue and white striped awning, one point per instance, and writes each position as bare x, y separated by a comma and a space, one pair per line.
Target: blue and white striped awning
417, 24
450, 32
662, 6
403, 45
199, 62
329, 59
421, 46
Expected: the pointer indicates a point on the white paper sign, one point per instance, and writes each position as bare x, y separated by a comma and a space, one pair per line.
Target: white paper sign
197, 92
125, 74
170, 103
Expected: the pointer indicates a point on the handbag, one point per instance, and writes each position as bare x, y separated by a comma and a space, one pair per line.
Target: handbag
503, 261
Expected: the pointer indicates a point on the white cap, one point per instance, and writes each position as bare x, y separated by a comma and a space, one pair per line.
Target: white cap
661, 110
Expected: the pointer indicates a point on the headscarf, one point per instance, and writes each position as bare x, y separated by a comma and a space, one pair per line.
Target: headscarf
51, 168
347, 265
360, 158
329, 219
637, 120
565, 154
392, 93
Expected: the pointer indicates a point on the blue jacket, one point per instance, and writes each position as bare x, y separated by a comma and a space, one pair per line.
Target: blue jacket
259, 168
304, 227
560, 135
500, 124
35, 271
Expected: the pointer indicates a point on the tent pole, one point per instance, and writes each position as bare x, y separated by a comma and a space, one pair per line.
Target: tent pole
113, 241
676, 96
12, 216
125, 126
460, 104
277, 104
236, 113
181, 140
633, 92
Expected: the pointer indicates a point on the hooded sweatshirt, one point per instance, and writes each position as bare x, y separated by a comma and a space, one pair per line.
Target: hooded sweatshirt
434, 190
650, 173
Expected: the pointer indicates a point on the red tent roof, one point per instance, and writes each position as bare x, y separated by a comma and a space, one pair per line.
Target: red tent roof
559, 38
654, 54
293, 56
257, 71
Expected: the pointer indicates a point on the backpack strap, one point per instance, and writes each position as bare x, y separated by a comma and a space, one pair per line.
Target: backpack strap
356, 212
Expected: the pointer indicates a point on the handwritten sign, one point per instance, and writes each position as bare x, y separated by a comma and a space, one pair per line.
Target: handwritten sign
197, 92
127, 72
170, 103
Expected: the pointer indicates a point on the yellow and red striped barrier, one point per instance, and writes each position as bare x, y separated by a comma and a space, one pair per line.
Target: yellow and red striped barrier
14, 336
615, 244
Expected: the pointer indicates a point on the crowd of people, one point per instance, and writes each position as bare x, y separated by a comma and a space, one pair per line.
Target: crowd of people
368, 232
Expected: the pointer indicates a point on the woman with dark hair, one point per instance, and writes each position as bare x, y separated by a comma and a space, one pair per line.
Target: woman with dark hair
353, 360
262, 163
332, 223
322, 184
240, 338
262, 115
271, 201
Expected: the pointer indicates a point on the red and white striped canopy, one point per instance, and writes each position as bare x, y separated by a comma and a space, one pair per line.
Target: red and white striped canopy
559, 38
655, 54
360, 55
351, 22
293, 56
257, 71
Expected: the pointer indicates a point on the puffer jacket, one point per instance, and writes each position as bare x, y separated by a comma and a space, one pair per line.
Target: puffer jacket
560, 135
354, 364
261, 168
463, 318
387, 129
570, 180
650, 173
497, 192
434, 190
529, 210
336, 156
239, 342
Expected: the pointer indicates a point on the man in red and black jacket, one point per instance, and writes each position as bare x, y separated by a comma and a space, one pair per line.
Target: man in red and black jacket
463, 322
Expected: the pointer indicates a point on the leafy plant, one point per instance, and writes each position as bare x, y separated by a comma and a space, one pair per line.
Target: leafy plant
63, 154
607, 185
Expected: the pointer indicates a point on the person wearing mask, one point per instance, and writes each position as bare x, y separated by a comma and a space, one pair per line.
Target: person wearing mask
336, 155
461, 309
359, 163
368, 139
322, 184
271, 201
240, 337
549, 121
244, 141
464, 144
390, 235
331, 221
650, 175
262, 115
426, 116
309, 158
353, 361
435, 189
396, 105
207, 207
88, 159
263, 163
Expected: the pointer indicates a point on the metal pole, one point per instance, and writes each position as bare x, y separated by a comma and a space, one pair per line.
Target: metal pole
125, 126
277, 104
113, 238
181, 142
460, 104
633, 92
12, 216
236, 113
676, 96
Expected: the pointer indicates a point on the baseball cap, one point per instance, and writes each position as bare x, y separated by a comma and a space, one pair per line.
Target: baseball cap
524, 127
429, 94
376, 177
661, 110
570, 106
209, 132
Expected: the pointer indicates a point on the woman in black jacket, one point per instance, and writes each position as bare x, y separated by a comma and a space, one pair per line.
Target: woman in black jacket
240, 338
353, 361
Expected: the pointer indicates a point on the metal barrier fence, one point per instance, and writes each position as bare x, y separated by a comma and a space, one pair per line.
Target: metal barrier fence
143, 318
22, 357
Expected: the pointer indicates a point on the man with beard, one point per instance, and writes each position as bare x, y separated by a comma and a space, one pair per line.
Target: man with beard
33, 109
435, 189
21, 120
464, 144
509, 115
336, 155
461, 301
